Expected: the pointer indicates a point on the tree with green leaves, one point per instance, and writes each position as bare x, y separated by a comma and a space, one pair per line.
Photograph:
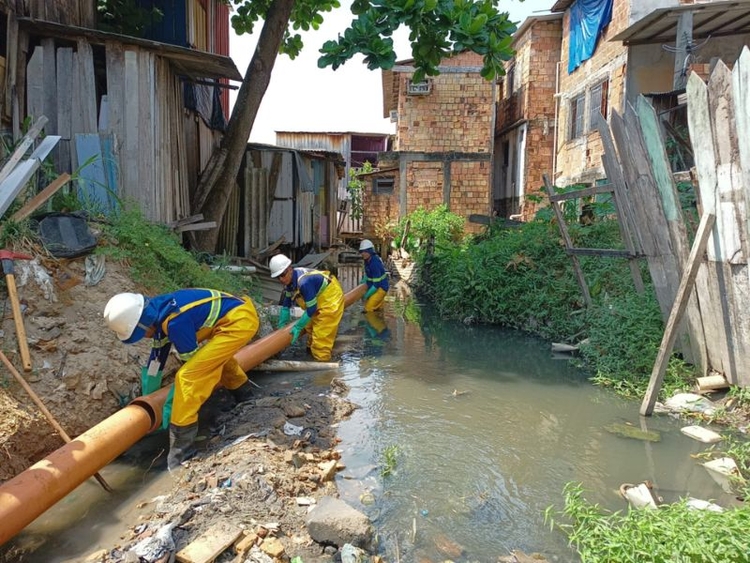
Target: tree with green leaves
439, 28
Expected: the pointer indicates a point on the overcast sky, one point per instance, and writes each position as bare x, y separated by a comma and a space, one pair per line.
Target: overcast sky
302, 97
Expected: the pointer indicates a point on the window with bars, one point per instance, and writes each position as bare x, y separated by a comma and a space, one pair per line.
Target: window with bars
598, 102
577, 114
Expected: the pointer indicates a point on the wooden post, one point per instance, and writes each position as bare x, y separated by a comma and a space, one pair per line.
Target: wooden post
48, 415
568, 244
680, 303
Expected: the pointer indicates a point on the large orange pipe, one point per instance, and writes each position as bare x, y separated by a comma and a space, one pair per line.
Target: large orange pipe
30, 493
259, 351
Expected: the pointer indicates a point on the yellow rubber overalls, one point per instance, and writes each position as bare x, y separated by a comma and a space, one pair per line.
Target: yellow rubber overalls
213, 363
324, 324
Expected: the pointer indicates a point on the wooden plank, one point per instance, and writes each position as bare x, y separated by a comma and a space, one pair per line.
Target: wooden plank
245, 214
695, 342
148, 187
115, 60
730, 286
197, 226
129, 147
64, 89
49, 84
22, 147
699, 125
209, 545
185, 221
87, 87
644, 215
621, 202
35, 84
741, 95
586, 192
569, 245
603, 252
19, 95
671, 331
38, 200
10, 66
707, 283
730, 203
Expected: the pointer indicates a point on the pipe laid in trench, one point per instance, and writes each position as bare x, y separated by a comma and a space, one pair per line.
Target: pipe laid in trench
30, 493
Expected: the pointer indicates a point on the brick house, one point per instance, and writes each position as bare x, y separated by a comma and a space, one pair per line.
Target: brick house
525, 125
648, 47
443, 147
482, 148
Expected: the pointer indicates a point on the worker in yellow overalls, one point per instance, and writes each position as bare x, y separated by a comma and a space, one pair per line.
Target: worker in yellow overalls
320, 294
207, 328
376, 277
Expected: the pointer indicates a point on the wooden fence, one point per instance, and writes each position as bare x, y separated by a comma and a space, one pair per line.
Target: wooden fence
715, 331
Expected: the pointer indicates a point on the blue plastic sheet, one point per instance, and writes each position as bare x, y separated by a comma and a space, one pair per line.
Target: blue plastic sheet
588, 18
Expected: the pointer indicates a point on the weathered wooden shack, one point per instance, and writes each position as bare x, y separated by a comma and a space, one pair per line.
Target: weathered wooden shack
138, 118
286, 198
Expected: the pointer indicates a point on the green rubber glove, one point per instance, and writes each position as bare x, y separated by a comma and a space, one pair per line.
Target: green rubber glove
284, 317
370, 292
363, 280
299, 326
150, 383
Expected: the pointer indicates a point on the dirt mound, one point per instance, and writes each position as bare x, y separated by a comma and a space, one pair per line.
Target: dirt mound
80, 370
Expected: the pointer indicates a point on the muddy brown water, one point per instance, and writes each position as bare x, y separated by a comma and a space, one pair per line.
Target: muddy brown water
484, 427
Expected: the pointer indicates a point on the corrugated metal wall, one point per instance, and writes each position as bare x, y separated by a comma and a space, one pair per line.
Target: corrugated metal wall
331, 142
268, 202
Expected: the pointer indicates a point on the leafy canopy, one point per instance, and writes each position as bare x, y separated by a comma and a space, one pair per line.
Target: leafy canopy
439, 28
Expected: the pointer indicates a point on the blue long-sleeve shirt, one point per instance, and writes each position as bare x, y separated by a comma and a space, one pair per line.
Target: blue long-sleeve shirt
308, 284
375, 273
184, 318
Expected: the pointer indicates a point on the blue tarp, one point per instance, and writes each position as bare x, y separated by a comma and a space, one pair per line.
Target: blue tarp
588, 18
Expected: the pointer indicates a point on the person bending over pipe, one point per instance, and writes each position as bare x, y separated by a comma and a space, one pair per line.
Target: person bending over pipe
320, 294
375, 277
207, 328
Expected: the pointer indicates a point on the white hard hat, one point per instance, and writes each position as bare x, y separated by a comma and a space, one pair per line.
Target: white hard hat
365, 244
122, 313
278, 264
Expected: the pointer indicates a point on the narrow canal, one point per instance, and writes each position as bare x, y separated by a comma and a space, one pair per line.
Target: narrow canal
481, 428
486, 428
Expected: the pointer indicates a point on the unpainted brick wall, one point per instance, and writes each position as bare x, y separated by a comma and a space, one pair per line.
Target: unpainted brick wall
455, 116
580, 159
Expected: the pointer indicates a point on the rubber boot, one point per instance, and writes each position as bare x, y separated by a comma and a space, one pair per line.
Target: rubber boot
243, 393
181, 444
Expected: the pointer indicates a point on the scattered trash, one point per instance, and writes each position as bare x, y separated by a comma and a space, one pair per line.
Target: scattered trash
701, 434
699, 504
351, 554
690, 402
305, 501
95, 269
639, 496
725, 472
292, 430
34, 269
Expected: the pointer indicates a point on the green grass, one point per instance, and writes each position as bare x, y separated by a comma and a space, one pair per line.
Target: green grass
672, 534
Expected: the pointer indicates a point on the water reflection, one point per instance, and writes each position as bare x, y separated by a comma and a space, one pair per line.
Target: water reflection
488, 429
